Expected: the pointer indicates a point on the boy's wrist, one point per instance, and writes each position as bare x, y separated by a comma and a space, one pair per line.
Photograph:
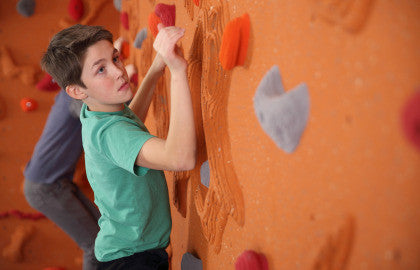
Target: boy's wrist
156, 72
179, 73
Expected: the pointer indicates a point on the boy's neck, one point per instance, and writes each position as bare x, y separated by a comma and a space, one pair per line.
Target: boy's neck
105, 108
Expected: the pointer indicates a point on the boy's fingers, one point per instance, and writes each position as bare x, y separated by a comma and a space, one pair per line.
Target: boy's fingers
176, 34
160, 26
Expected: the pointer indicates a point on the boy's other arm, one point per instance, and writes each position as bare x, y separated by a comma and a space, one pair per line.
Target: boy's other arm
177, 152
141, 101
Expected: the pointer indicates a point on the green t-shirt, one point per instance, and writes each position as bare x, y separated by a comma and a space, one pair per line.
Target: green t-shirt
133, 200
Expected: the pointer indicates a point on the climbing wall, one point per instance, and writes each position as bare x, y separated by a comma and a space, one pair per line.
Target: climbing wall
307, 116
307, 119
28, 240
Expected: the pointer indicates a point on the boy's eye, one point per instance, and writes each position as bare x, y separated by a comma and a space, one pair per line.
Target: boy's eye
116, 59
101, 70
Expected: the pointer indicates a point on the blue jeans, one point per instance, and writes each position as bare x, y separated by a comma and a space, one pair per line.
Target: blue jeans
156, 259
64, 204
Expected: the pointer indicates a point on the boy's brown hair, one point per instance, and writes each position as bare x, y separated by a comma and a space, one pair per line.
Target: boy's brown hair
64, 57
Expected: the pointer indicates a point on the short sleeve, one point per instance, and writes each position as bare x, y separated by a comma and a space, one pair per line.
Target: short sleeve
121, 143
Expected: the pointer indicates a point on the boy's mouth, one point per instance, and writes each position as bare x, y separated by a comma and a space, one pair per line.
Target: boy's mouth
124, 86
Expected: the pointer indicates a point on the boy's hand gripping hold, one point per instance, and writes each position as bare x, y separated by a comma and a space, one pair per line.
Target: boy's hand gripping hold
165, 45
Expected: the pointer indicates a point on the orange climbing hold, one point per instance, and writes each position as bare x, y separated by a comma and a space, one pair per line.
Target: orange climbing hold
125, 50
154, 20
28, 104
233, 50
14, 250
197, 2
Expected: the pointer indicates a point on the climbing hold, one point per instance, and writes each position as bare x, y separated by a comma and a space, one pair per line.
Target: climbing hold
26, 73
132, 74
410, 119
28, 104
117, 4
205, 174
21, 215
234, 47
7, 65
26, 7
125, 50
283, 116
13, 251
140, 37
135, 79
123, 47
166, 13
197, 3
190, 262
47, 83
75, 9
154, 20
124, 20
251, 260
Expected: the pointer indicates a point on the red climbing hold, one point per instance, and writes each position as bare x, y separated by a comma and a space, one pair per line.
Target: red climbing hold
28, 104
134, 79
124, 20
166, 14
47, 83
75, 9
21, 215
410, 119
251, 260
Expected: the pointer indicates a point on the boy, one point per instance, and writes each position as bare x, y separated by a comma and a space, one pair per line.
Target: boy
123, 161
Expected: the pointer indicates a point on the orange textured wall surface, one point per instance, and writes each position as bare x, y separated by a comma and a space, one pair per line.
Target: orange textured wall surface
346, 198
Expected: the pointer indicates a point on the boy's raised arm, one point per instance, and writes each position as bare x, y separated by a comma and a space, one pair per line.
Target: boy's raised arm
141, 101
178, 151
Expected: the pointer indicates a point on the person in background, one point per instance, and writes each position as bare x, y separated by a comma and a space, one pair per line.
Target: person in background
49, 173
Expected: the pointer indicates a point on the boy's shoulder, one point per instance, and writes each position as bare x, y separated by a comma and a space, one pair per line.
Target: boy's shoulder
93, 121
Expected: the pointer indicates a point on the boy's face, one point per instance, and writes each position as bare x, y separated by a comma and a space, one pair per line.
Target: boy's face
106, 80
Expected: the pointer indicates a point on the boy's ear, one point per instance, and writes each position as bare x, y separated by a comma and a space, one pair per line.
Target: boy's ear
76, 92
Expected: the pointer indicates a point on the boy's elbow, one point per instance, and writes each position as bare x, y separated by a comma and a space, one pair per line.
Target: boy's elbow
185, 163
190, 164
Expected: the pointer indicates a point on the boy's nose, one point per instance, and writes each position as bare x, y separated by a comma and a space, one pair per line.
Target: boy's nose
118, 71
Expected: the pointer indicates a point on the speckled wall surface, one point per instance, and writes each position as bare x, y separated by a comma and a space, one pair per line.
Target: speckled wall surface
345, 198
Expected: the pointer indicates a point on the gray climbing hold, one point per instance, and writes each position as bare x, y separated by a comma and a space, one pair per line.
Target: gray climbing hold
26, 7
190, 262
282, 115
117, 4
141, 36
205, 173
